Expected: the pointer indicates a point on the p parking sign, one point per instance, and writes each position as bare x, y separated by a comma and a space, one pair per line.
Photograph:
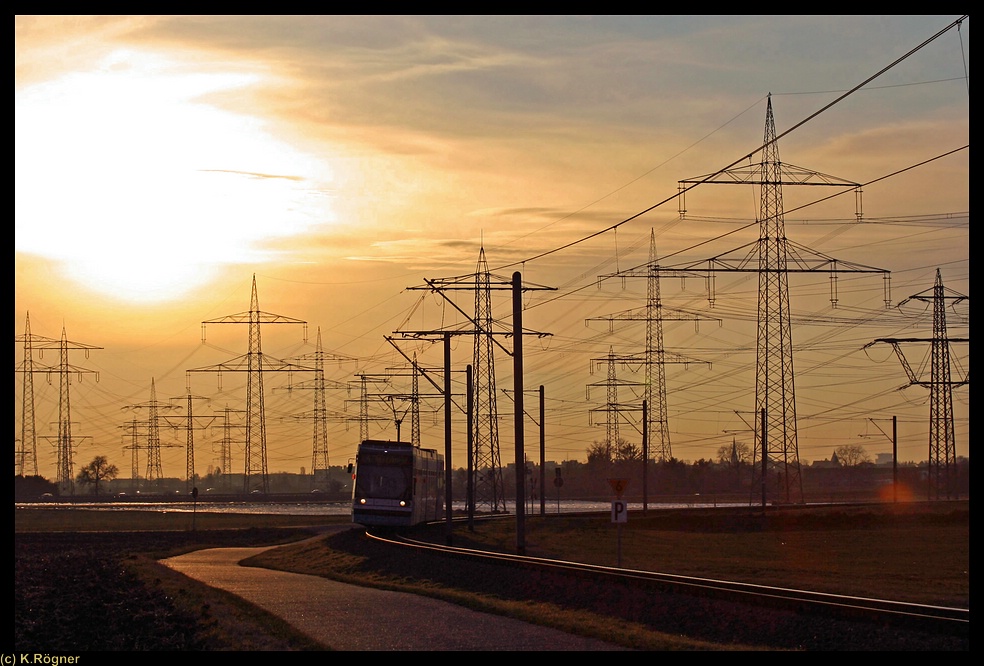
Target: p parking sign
620, 511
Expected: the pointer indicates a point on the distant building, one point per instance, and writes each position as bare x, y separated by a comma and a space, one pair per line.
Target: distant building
884, 459
827, 464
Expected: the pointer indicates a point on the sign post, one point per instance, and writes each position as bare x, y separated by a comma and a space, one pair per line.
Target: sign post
558, 482
194, 506
620, 512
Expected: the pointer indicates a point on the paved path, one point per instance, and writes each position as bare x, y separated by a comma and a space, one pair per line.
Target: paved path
350, 617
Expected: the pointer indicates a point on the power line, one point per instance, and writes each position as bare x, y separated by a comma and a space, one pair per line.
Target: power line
796, 126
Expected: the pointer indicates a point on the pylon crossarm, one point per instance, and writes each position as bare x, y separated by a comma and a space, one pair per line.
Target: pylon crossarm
752, 175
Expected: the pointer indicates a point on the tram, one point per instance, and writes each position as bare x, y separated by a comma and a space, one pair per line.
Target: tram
397, 485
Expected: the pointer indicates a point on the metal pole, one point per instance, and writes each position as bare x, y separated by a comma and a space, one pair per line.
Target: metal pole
447, 437
470, 391
543, 478
558, 497
895, 460
765, 460
517, 293
618, 530
645, 457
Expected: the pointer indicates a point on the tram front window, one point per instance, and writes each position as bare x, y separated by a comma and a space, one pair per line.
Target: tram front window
383, 483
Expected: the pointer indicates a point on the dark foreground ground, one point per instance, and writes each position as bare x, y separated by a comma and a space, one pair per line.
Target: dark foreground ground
102, 591
726, 625
97, 592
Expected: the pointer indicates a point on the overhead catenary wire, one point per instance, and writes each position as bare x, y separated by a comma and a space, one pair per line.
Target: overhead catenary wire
765, 145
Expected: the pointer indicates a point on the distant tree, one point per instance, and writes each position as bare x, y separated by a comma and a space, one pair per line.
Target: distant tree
30, 488
599, 453
627, 451
698, 473
671, 475
852, 455
95, 472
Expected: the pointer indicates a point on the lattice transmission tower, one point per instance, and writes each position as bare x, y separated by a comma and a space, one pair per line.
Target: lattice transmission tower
612, 408
655, 357
415, 396
773, 256
226, 440
190, 424
366, 397
489, 489
132, 430
485, 415
320, 458
255, 363
320, 465
26, 453
65, 442
401, 403
775, 397
942, 435
155, 470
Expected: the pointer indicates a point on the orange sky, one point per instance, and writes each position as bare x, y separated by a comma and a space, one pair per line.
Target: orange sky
162, 162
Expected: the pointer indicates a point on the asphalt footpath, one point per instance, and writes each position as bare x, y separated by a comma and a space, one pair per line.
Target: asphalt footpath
353, 618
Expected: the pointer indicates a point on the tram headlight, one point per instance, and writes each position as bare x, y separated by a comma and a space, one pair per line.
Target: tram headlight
403, 502
362, 500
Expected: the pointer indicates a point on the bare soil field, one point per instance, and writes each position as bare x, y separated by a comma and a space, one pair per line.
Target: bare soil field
78, 592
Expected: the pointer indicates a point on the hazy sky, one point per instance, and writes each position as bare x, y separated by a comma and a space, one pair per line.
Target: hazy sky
162, 162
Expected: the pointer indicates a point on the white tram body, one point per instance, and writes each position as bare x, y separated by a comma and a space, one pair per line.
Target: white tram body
397, 485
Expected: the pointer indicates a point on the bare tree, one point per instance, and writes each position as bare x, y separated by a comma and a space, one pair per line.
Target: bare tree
852, 455
627, 451
600, 453
96, 471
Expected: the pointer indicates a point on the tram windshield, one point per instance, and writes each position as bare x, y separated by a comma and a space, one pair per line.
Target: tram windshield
383, 477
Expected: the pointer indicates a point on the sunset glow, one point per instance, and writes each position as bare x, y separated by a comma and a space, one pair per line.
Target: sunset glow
164, 163
139, 187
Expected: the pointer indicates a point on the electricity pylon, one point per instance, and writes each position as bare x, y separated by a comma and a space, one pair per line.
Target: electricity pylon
775, 257
415, 401
26, 455
225, 445
485, 414
655, 355
364, 399
190, 425
400, 403
134, 434
255, 363
65, 442
415, 394
490, 489
154, 470
320, 469
942, 439
612, 407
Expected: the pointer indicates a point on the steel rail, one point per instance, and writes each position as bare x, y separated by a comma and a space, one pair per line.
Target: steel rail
928, 617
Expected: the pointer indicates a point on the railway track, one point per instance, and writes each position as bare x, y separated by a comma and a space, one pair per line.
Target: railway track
883, 614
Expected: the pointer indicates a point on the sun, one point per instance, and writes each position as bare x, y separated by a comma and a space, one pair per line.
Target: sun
140, 189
